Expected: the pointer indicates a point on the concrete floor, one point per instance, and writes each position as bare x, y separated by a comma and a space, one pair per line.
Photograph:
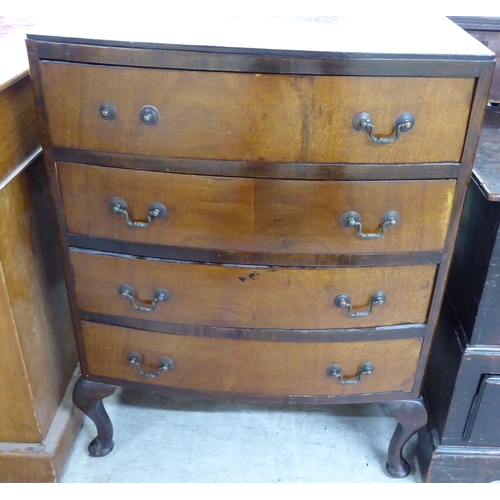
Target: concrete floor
161, 439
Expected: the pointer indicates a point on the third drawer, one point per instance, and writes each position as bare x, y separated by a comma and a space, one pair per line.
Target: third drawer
230, 296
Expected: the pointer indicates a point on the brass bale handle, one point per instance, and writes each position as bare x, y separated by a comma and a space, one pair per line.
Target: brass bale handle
160, 295
364, 370
353, 219
362, 122
156, 211
165, 364
343, 300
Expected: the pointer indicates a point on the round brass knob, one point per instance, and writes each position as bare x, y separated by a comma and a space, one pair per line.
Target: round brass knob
149, 115
108, 111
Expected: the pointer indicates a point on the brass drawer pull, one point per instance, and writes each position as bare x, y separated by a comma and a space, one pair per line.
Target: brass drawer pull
362, 122
364, 369
353, 219
156, 211
343, 300
165, 364
160, 295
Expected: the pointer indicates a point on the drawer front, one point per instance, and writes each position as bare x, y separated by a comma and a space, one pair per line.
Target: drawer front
256, 215
482, 425
255, 117
252, 297
239, 366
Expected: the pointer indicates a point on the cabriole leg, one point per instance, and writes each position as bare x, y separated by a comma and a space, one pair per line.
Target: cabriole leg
88, 396
411, 415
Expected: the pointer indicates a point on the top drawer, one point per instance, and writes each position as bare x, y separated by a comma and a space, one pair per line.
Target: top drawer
255, 117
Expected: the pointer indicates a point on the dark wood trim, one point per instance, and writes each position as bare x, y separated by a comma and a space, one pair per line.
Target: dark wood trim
475, 123
304, 171
56, 202
261, 334
78, 241
257, 61
254, 398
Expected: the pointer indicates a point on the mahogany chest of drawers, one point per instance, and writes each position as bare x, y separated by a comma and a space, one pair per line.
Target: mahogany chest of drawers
263, 218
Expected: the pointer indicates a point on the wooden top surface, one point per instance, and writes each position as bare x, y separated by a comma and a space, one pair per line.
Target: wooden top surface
486, 169
324, 37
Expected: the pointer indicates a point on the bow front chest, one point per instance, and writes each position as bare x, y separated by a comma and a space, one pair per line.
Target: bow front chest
262, 218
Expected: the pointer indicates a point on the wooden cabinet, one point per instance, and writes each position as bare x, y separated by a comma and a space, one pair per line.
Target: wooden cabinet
462, 441
257, 218
37, 425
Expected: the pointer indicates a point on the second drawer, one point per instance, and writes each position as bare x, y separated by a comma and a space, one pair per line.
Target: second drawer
256, 215
252, 297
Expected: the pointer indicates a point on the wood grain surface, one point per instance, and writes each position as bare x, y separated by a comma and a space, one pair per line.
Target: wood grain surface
43, 462
254, 117
18, 128
238, 366
255, 215
252, 297
38, 304
17, 420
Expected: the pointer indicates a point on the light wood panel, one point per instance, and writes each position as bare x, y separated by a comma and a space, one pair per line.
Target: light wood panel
44, 461
239, 366
255, 215
37, 296
255, 117
252, 297
17, 420
18, 128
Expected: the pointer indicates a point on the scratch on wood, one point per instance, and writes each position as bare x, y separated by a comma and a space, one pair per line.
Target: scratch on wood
251, 276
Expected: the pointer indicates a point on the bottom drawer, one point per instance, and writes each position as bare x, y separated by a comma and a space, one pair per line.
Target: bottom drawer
251, 367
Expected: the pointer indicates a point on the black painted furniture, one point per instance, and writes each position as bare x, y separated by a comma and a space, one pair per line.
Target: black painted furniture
462, 385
